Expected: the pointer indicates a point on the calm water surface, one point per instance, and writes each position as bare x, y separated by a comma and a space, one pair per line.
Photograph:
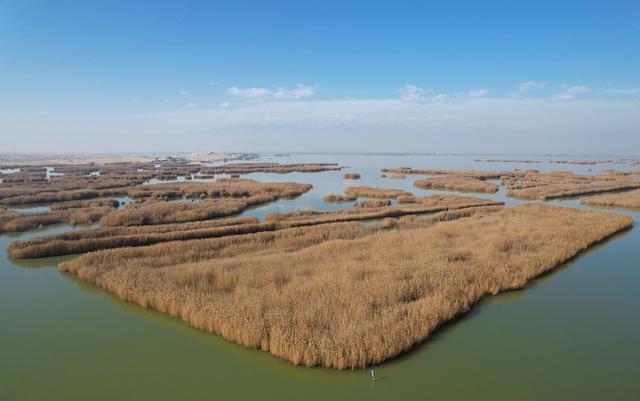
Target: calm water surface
571, 336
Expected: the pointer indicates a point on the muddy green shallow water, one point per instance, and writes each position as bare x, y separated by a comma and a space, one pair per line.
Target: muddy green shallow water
573, 335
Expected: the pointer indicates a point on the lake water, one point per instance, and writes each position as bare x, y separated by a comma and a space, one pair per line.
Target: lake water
570, 336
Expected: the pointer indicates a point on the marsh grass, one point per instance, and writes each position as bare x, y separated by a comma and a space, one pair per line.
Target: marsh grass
16, 222
332, 296
422, 205
117, 237
372, 192
629, 199
454, 182
559, 184
336, 198
373, 203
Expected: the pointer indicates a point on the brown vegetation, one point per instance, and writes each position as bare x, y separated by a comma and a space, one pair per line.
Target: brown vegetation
373, 203
588, 162
506, 161
334, 198
116, 237
454, 182
331, 296
558, 184
85, 203
246, 168
480, 175
422, 205
232, 188
351, 176
629, 199
34, 184
371, 192
179, 211
16, 222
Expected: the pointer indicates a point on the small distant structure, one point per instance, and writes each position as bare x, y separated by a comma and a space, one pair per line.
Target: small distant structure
373, 374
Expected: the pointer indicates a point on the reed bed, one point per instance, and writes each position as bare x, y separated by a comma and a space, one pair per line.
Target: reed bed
291, 238
587, 162
629, 199
85, 203
246, 168
336, 198
373, 203
477, 174
351, 176
117, 237
457, 183
506, 161
219, 199
371, 192
149, 213
231, 188
61, 196
558, 184
425, 204
330, 296
16, 222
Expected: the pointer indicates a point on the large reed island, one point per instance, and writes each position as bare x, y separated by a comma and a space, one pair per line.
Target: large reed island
338, 295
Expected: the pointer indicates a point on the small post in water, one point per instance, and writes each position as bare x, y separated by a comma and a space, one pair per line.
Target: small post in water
373, 375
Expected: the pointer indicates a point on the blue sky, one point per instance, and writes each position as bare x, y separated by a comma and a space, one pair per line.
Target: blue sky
262, 76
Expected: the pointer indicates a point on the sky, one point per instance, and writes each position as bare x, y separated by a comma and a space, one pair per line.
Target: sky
521, 77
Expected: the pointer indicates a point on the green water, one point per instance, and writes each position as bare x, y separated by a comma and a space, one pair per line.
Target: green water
570, 336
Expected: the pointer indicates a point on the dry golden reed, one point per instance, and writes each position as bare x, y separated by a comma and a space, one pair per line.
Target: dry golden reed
629, 199
341, 300
422, 205
455, 182
371, 192
559, 184
336, 198
116, 237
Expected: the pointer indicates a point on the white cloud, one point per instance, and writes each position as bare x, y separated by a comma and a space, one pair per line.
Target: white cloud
413, 94
629, 91
528, 86
224, 105
184, 92
300, 91
570, 92
478, 93
190, 105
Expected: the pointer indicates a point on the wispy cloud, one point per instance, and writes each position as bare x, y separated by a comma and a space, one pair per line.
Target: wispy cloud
300, 91
570, 92
478, 93
528, 86
183, 92
190, 105
412, 93
416, 94
625, 92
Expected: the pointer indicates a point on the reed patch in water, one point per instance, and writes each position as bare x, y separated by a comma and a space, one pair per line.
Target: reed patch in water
629, 199
457, 183
372, 192
323, 296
